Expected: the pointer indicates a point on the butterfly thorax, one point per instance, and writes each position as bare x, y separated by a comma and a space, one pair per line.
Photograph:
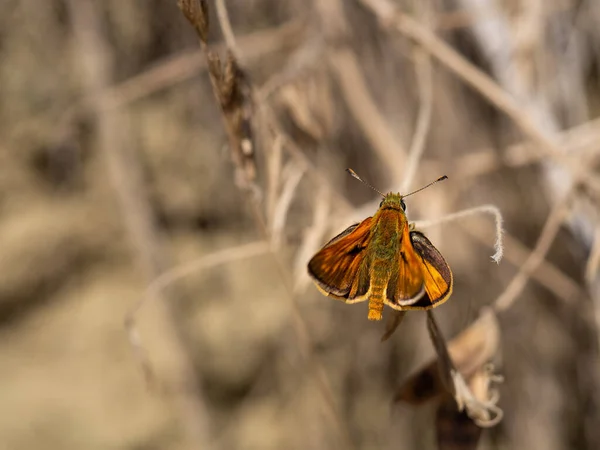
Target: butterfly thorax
387, 232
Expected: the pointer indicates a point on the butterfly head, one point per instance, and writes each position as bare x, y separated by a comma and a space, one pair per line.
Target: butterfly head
393, 201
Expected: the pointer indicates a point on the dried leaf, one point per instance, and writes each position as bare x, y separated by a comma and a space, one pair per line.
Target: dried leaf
476, 345
465, 358
425, 385
485, 412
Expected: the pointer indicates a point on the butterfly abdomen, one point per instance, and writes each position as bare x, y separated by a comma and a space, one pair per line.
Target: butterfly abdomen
380, 275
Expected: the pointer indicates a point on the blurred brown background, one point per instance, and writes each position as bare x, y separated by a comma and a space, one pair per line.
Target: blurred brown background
116, 166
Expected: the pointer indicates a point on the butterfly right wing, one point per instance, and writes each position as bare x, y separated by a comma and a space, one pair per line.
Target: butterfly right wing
341, 268
429, 271
406, 285
437, 275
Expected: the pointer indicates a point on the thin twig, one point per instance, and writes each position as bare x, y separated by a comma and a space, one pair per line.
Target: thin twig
292, 174
312, 238
487, 209
593, 263
347, 69
154, 289
312, 171
576, 141
227, 30
424, 77
274, 163
299, 63
365, 111
547, 274
552, 226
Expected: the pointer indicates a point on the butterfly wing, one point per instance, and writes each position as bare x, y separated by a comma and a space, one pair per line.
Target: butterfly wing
423, 279
437, 276
341, 268
406, 283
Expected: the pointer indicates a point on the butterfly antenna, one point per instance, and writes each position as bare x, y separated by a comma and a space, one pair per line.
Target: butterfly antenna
442, 178
353, 173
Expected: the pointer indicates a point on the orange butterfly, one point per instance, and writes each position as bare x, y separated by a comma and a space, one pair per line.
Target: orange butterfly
382, 260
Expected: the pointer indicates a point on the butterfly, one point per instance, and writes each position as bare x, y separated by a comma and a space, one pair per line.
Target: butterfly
383, 260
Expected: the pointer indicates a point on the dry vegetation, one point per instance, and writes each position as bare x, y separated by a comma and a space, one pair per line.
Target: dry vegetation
196, 165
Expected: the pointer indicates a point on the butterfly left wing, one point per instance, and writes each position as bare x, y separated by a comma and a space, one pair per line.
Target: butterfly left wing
341, 268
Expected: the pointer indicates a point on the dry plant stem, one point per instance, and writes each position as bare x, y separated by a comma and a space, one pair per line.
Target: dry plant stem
292, 174
313, 238
389, 15
301, 62
196, 12
347, 69
296, 152
424, 77
445, 362
302, 332
225, 24
484, 209
274, 163
365, 111
547, 274
462, 18
576, 141
94, 53
593, 263
552, 226
579, 141
165, 279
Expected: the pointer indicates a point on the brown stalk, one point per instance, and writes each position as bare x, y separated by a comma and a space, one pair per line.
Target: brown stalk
424, 76
236, 105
